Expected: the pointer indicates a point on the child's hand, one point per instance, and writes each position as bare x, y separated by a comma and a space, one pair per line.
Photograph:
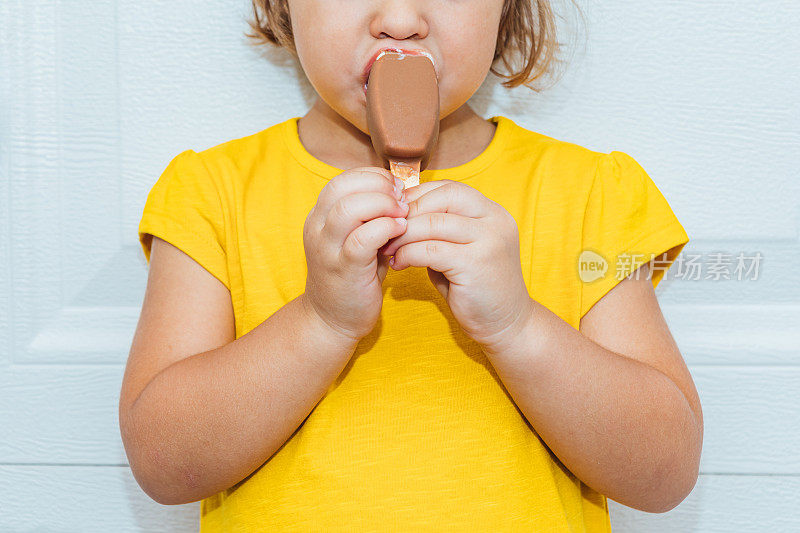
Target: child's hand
353, 217
470, 245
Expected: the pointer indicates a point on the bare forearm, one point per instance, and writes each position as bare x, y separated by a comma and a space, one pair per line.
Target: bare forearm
618, 424
206, 422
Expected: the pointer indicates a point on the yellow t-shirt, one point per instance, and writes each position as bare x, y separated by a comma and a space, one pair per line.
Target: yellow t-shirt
418, 433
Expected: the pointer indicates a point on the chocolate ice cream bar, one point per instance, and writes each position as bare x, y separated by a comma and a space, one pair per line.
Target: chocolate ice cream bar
403, 113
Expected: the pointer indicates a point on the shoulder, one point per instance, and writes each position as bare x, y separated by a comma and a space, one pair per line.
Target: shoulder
564, 171
521, 137
576, 182
237, 157
563, 162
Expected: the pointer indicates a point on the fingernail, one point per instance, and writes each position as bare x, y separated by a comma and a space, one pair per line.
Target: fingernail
391, 261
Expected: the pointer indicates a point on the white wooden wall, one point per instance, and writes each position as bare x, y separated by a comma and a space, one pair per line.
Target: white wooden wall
98, 96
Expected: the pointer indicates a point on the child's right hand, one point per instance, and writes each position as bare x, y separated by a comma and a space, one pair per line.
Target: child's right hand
354, 216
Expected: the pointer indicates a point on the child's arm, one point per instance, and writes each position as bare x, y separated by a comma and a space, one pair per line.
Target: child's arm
195, 422
625, 419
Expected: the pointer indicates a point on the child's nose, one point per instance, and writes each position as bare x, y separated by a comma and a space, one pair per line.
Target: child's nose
400, 20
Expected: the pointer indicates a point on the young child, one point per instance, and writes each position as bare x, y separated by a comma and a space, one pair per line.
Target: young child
490, 379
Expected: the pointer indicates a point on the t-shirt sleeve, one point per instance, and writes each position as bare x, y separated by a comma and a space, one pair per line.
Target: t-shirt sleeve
184, 208
627, 223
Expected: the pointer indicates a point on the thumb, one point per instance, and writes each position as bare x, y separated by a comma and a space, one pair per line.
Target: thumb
439, 281
383, 266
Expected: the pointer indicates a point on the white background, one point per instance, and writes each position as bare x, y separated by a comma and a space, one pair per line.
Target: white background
98, 96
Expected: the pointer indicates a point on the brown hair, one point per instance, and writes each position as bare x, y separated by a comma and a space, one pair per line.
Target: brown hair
523, 35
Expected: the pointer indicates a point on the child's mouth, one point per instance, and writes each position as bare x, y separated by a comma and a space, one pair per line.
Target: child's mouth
391, 50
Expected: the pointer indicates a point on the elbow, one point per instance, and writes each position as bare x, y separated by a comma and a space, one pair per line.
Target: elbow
671, 500
153, 471
664, 497
160, 494
159, 478
677, 479
164, 488
170, 497
672, 479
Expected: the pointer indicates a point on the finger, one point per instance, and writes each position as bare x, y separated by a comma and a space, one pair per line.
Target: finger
439, 226
412, 193
383, 267
449, 197
439, 281
353, 210
361, 245
362, 179
439, 255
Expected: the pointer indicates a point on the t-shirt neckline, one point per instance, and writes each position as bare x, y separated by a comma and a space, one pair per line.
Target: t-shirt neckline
457, 173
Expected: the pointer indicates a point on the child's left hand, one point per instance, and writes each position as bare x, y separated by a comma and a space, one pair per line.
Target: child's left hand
470, 245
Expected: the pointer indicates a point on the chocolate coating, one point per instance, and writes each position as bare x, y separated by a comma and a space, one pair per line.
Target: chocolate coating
403, 108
